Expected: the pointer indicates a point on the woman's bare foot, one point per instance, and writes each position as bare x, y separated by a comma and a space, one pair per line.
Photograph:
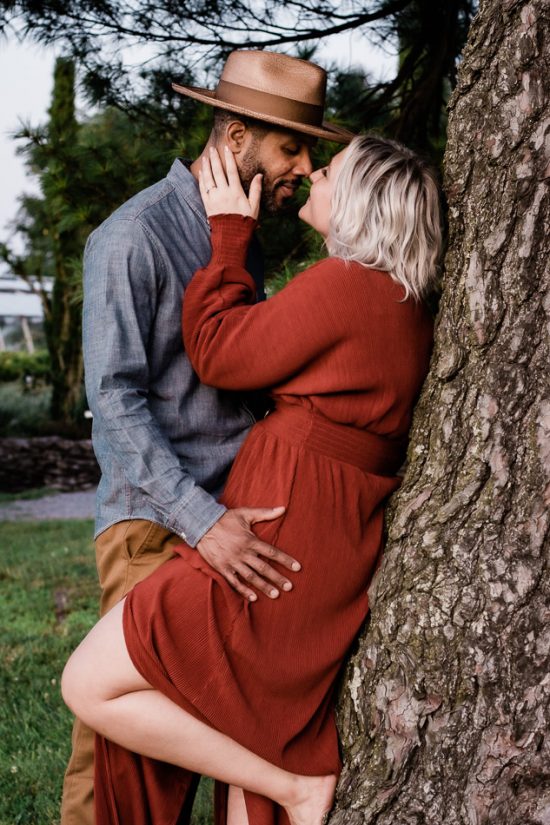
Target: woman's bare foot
312, 799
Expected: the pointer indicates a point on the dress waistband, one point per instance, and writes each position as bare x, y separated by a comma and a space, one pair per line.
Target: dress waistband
368, 451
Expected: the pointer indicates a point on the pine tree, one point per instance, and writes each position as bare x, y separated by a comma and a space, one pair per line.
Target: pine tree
59, 181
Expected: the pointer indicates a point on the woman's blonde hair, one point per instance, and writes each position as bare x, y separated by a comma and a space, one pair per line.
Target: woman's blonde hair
386, 214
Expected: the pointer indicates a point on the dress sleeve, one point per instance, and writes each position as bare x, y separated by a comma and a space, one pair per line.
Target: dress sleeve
236, 344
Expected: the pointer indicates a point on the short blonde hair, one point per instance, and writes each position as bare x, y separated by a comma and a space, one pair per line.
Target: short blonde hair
386, 214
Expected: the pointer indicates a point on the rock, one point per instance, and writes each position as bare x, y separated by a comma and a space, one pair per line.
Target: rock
60, 463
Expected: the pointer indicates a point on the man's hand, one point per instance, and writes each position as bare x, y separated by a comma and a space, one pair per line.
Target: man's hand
231, 548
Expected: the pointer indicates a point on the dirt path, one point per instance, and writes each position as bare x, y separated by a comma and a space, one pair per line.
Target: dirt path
57, 506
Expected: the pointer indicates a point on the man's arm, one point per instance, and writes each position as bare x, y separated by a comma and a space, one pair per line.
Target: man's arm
122, 270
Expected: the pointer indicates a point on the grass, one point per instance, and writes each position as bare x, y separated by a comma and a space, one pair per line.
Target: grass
27, 495
48, 601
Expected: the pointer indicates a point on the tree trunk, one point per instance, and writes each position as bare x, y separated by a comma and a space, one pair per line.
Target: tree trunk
63, 321
444, 708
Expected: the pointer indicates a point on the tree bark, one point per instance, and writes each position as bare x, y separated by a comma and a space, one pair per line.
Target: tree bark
444, 707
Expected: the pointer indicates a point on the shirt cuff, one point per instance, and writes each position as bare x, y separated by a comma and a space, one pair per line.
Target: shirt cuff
231, 235
195, 516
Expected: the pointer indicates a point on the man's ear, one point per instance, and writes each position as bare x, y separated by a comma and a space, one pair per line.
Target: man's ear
236, 135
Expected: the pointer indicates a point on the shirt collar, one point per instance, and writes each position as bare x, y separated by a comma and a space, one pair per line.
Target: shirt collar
182, 179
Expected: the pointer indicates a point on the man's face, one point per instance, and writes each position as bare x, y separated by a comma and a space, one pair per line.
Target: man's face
283, 158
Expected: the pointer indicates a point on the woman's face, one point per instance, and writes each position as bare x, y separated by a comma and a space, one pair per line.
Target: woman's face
316, 210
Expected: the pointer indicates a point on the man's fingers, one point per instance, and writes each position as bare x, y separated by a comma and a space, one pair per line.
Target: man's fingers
237, 585
255, 514
273, 554
245, 561
248, 575
266, 571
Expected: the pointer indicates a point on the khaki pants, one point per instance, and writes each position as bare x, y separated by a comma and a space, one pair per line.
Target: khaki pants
126, 553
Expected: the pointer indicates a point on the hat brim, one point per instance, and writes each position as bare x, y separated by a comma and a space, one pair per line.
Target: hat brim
328, 131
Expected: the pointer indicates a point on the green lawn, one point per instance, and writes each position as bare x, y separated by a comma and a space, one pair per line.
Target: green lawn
48, 600
27, 495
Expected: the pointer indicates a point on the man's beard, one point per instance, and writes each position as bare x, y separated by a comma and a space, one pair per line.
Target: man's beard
249, 168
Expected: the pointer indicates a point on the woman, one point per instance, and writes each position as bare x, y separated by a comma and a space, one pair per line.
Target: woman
185, 671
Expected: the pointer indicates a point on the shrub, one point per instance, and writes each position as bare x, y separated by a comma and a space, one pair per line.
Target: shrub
14, 365
22, 412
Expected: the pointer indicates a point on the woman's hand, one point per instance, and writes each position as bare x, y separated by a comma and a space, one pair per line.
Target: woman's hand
222, 192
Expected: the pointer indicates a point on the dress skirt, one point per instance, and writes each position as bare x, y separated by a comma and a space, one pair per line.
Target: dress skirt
262, 673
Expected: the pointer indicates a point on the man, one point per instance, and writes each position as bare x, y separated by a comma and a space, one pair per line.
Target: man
165, 442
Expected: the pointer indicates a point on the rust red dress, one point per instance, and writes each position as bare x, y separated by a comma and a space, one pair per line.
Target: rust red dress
344, 357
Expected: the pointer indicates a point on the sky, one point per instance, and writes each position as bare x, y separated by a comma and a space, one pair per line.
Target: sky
27, 81
26, 70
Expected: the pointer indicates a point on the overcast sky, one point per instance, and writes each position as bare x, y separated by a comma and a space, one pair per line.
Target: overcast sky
26, 71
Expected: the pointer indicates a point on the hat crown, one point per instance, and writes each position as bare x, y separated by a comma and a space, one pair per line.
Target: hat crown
276, 74
274, 88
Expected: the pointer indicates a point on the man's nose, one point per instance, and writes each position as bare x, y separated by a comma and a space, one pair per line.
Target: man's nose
303, 166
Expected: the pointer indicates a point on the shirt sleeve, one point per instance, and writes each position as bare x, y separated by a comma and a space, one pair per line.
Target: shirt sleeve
235, 344
122, 268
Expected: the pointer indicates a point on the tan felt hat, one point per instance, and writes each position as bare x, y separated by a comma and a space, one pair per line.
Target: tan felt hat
274, 88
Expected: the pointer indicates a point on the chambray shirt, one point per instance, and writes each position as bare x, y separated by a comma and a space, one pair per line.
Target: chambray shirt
164, 441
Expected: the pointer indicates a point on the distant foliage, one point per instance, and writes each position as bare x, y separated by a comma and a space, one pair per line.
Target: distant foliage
193, 38
85, 169
14, 365
24, 411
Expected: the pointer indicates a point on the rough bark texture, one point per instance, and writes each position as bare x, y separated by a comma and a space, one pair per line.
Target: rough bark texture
444, 708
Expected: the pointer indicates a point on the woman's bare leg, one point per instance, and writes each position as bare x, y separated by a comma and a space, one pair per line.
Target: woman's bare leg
103, 688
236, 807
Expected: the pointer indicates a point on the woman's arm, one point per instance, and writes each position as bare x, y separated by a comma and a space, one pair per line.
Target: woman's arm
232, 342
236, 344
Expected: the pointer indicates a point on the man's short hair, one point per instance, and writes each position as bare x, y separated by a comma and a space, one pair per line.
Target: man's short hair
222, 118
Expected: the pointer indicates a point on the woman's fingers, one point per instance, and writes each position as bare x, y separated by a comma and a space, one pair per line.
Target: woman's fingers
207, 177
232, 171
255, 195
221, 189
220, 180
255, 191
203, 187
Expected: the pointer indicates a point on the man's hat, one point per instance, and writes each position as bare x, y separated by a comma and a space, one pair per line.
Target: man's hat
274, 88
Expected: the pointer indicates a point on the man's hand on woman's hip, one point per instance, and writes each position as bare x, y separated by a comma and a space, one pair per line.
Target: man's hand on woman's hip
231, 548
